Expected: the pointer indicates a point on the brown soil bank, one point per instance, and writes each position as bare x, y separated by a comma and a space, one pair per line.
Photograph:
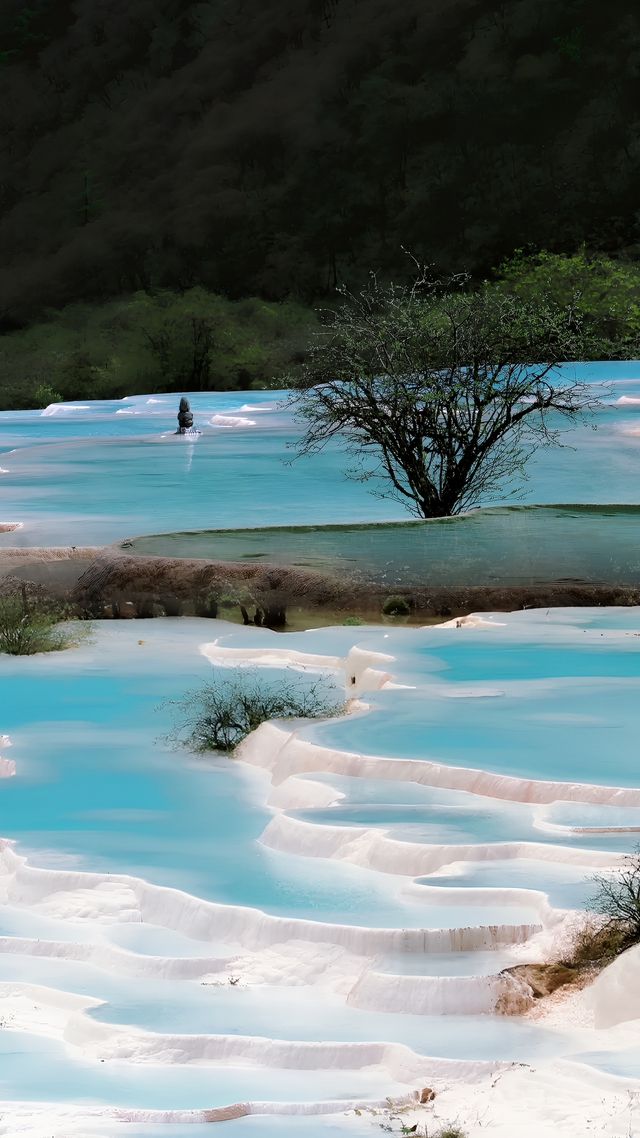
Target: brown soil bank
119, 584
56, 570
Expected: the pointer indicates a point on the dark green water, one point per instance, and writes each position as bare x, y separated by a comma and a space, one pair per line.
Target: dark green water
507, 545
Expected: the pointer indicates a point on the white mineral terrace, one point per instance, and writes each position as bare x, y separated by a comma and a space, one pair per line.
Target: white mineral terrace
287, 940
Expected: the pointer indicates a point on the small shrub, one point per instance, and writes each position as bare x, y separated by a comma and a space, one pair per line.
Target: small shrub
27, 627
44, 395
614, 924
221, 713
353, 620
448, 1130
238, 593
596, 945
396, 606
617, 898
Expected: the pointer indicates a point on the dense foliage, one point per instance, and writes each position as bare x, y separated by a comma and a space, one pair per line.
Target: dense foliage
605, 292
197, 340
194, 341
270, 148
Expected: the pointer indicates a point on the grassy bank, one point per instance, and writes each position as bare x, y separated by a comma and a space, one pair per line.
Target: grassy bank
113, 584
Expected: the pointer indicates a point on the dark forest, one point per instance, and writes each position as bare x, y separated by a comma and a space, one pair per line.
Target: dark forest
274, 148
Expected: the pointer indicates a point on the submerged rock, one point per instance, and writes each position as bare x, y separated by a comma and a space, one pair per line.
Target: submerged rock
185, 417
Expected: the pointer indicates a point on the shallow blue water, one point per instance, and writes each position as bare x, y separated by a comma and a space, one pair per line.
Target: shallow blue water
564, 732
91, 480
625, 1064
567, 887
113, 469
163, 1087
508, 545
542, 713
219, 1008
452, 817
296, 1014
97, 789
95, 781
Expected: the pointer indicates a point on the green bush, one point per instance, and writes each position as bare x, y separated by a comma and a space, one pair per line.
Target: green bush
353, 620
44, 395
164, 340
396, 606
605, 292
27, 627
221, 713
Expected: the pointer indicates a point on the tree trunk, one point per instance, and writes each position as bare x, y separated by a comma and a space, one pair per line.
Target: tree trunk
275, 616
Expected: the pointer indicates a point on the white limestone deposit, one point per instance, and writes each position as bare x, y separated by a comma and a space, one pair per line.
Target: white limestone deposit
147, 999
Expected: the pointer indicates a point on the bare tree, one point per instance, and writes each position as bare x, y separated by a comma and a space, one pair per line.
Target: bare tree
618, 897
220, 714
445, 392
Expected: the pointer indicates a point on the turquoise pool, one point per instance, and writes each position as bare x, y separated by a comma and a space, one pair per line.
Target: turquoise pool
103, 471
154, 877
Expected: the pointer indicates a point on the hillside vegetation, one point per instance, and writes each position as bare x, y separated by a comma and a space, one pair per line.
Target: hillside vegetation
165, 341
197, 340
274, 147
